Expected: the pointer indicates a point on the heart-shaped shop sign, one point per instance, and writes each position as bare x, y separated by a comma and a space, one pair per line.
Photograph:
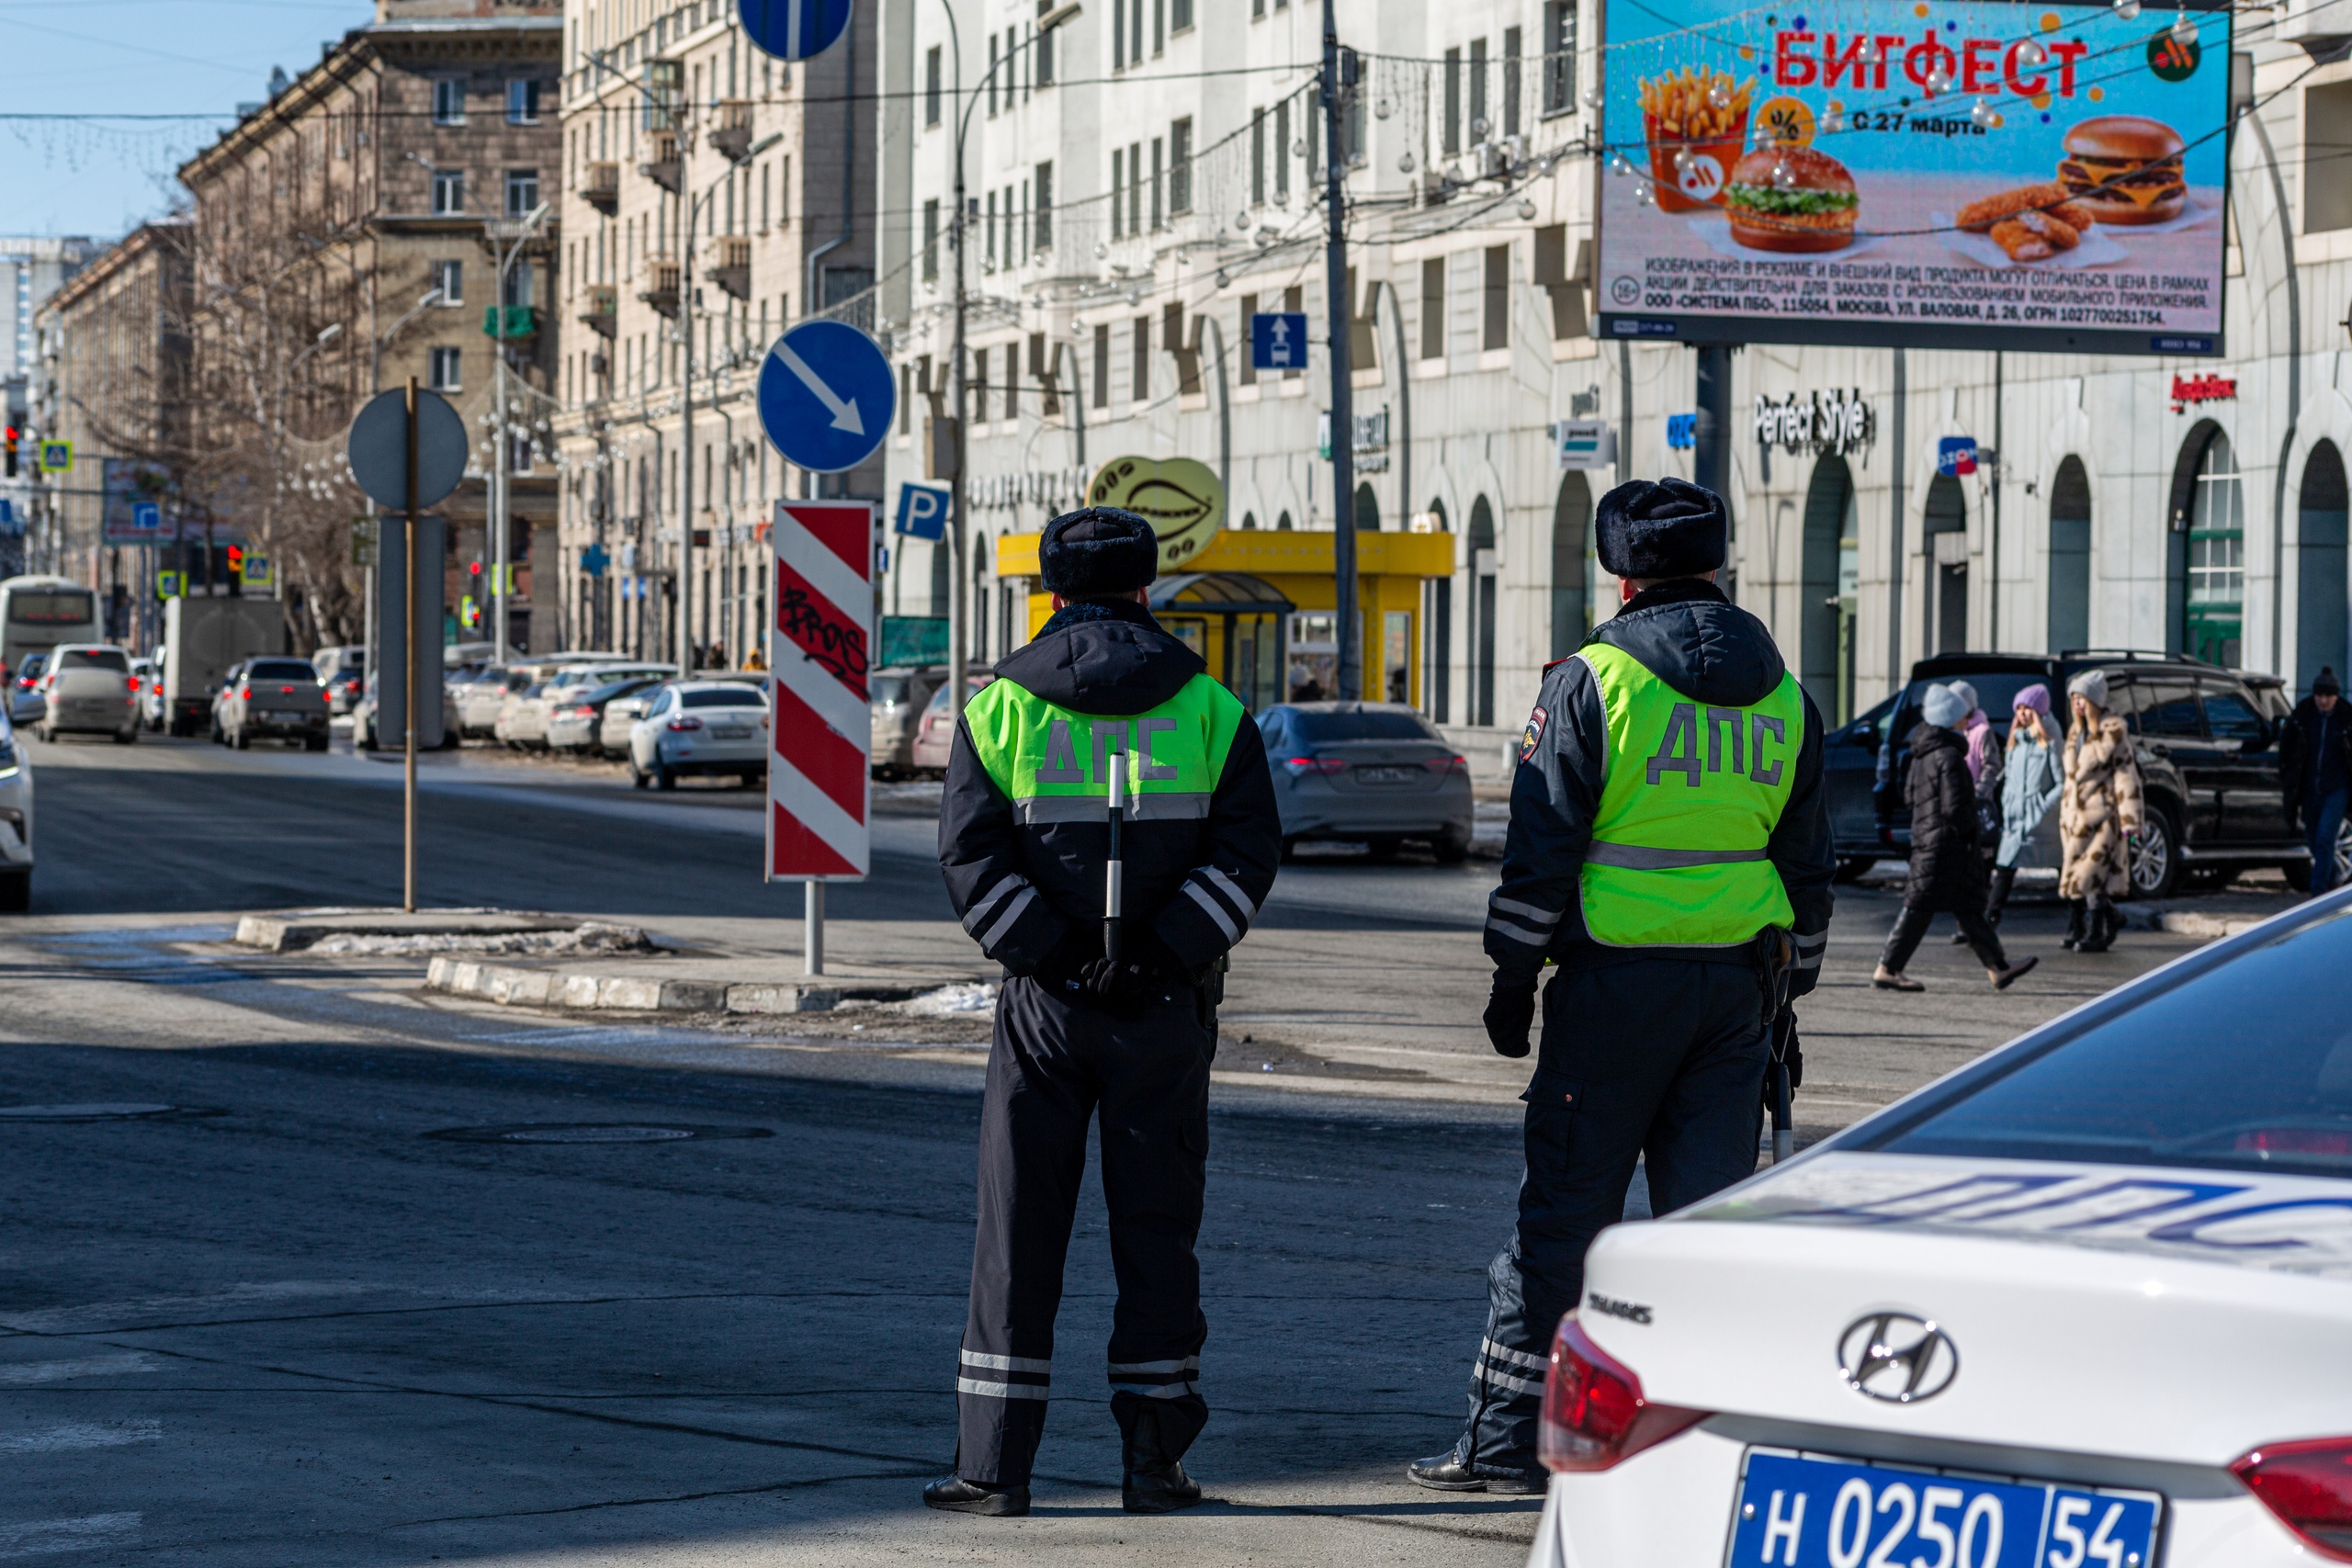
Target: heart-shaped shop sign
1179, 497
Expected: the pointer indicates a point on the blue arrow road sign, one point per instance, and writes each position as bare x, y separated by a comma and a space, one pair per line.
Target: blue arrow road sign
795, 30
922, 511
826, 396
1278, 341
146, 516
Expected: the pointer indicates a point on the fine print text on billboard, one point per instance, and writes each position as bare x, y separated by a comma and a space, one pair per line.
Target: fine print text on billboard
1924, 173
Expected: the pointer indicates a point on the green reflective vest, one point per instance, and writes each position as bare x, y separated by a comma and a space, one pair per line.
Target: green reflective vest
1054, 761
1689, 800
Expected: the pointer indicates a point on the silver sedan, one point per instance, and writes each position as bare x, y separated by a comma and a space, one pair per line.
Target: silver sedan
1376, 773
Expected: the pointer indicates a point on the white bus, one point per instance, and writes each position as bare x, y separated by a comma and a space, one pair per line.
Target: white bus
39, 613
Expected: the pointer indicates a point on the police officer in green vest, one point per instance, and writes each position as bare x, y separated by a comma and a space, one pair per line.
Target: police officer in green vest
1669, 853
1024, 842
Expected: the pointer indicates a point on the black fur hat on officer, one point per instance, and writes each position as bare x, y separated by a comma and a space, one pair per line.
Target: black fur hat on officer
1098, 552
1672, 528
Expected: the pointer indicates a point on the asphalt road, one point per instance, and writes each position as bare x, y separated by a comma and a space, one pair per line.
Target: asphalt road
295, 1320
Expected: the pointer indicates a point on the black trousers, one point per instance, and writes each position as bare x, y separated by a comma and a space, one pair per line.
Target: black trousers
1658, 1059
1054, 1066
1997, 895
1911, 925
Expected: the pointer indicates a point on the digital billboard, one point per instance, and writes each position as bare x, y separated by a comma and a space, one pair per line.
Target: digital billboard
1947, 174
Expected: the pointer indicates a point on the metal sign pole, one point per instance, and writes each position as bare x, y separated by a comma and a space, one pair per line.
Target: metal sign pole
812, 927
408, 702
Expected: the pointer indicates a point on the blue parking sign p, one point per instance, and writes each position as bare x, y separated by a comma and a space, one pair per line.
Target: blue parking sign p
922, 511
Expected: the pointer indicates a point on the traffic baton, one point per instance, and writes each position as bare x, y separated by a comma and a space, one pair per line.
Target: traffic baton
1785, 1138
1113, 883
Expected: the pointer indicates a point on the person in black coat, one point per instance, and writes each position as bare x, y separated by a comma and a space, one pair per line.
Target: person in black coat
2315, 771
1947, 859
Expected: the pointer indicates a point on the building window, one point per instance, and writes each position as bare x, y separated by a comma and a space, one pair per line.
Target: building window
993, 60
1511, 47
448, 190
1102, 366
1494, 331
448, 101
442, 371
931, 85
1141, 348
1559, 56
521, 191
1282, 153
1294, 297
450, 279
1158, 213
2327, 140
523, 101
1480, 125
1134, 31
1450, 141
1258, 159
1180, 167
1180, 15
1433, 308
1043, 239
1134, 187
931, 241
1044, 61
1248, 356
1159, 25
1118, 180
1119, 34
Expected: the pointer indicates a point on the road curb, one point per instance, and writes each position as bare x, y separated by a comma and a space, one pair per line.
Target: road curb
584, 991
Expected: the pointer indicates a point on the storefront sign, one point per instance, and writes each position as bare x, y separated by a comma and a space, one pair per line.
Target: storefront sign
1179, 497
1055, 488
1837, 422
1988, 175
1585, 444
1956, 455
1681, 431
1371, 444
2187, 389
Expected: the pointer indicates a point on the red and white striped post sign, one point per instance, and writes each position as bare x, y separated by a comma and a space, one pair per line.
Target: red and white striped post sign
820, 725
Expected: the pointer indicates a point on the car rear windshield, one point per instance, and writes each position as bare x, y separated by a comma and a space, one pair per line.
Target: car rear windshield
887, 691
112, 659
723, 698
1381, 724
617, 689
281, 670
2246, 1067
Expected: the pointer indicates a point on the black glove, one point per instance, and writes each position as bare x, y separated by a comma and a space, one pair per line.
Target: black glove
1510, 1013
1144, 976
1062, 972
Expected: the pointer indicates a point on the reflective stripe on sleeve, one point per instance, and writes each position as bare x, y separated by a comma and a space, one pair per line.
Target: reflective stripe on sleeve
1173, 805
978, 915
1527, 911
1231, 889
996, 932
1207, 900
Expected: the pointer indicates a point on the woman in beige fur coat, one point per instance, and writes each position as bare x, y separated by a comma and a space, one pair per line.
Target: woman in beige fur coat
2098, 813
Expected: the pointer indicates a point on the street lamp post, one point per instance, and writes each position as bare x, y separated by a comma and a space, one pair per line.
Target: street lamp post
959, 589
688, 653
516, 233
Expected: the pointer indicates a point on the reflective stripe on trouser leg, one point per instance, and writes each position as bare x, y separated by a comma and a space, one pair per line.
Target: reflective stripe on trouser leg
1034, 1115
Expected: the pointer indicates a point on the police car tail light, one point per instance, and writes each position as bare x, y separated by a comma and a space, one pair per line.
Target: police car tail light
2309, 1486
1302, 765
1594, 1414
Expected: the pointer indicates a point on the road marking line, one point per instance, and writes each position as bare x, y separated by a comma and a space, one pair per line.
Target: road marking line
38, 1536
80, 1366
99, 1314
83, 1435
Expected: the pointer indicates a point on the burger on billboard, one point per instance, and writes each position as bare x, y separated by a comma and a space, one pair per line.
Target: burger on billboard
1890, 172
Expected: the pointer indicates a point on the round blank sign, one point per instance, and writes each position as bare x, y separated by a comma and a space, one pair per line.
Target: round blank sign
380, 449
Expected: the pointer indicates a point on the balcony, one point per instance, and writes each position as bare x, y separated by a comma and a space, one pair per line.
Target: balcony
603, 314
662, 286
665, 168
510, 323
733, 273
732, 135
602, 187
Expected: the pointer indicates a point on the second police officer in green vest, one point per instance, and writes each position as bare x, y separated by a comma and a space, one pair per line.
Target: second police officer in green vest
1024, 842
1670, 851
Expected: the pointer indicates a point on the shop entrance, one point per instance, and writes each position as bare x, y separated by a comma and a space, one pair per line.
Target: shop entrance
2070, 558
1946, 541
2320, 588
1236, 623
1826, 604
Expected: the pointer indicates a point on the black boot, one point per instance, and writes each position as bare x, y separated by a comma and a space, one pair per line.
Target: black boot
1155, 1481
2107, 923
958, 1495
2075, 930
1455, 1471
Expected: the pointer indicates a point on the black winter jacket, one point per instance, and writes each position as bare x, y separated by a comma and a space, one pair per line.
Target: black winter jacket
2309, 731
1685, 633
1021, 887
1945, 832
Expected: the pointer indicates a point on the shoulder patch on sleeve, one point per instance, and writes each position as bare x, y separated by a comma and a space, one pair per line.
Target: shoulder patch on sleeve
1533, 734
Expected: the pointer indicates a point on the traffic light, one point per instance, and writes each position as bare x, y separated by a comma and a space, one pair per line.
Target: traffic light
13, 437
236, 560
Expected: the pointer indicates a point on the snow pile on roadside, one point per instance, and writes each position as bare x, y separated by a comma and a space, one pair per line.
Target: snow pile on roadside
978, 1000
593, 937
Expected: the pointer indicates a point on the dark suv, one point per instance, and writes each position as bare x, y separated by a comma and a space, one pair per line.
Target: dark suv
2206, 738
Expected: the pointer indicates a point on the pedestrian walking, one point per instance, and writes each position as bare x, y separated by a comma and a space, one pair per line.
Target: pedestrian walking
2031, 782
1947, 858
1041, 879
1670, 851
2315, 771
2098, 814
1985, 763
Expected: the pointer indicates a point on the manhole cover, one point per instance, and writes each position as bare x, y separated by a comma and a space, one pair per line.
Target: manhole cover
96, 1111
593, 1133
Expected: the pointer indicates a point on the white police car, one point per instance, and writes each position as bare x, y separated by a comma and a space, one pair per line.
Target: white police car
2085, 1303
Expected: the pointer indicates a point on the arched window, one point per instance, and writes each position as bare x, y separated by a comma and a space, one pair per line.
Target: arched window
1572, 573
2070, 557
1824, 605
1367, 511
1482, 611
2214, 624
1945, 537
2320, 586
1281, 524
1248, 521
